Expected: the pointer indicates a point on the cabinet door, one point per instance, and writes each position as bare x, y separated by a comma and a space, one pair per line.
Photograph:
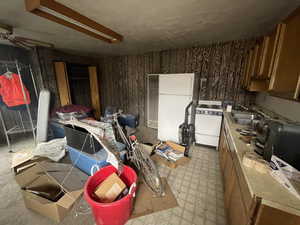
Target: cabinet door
262, 63
248, 68
228, 180
259, 59
273, 39
236, 211
222, 151
257, 81
272, 216
286, 69
254, 62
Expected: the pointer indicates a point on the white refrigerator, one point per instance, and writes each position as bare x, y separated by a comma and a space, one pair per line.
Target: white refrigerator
175, 93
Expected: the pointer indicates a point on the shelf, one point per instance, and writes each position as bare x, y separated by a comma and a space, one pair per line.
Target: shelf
78, 78
20, 129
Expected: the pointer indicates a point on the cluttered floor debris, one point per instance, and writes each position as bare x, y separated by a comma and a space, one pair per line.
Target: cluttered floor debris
197, 187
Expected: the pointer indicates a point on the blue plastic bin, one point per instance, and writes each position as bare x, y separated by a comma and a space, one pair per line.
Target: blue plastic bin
57, 129
85, 161
129, 120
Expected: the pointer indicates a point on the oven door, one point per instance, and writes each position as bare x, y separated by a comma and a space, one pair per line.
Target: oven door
208, 124
207, 129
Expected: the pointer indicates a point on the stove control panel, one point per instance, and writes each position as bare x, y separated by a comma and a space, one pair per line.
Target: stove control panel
209, 112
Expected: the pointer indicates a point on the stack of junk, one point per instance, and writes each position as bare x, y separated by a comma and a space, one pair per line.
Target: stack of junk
75, 157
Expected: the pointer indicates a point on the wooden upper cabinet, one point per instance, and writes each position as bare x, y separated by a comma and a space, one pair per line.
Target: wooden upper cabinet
263, 61
273, 39
266, 53
263, 48
248, 68
286, 70
246, 71
259, 49
253, 81
254, 62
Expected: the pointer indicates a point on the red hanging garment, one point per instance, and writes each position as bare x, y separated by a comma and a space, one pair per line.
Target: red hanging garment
11, 91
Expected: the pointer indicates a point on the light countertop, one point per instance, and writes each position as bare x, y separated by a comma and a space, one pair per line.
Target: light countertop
260, 185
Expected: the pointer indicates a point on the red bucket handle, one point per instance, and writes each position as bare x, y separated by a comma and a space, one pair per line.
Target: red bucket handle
132, 189
95, 166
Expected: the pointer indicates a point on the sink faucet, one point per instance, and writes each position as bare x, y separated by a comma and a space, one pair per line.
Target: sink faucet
243, 107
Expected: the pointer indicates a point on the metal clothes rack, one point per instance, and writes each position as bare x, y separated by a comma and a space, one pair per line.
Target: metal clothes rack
24, 126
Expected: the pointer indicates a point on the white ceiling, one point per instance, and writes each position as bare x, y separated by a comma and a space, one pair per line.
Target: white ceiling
152, 25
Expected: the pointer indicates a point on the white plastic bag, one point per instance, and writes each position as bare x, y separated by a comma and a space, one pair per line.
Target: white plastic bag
54, 149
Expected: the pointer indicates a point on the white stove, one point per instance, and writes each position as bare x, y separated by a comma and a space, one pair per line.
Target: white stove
208, 122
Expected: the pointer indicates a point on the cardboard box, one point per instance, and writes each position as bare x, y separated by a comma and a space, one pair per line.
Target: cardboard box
110, 188
182, 161
22, 160
44, 181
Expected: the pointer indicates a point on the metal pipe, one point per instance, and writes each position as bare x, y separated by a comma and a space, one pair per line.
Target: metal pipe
21, 118
33, 81
25, 98
5, 132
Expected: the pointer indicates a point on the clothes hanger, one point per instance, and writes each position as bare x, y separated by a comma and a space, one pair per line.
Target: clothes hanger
8, 74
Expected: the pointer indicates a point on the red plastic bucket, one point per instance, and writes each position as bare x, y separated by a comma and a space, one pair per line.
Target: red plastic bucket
115, 213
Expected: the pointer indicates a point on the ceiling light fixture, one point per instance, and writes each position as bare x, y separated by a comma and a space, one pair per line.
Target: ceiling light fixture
63, 15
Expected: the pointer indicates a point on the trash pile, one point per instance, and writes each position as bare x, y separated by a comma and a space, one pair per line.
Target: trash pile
83, 158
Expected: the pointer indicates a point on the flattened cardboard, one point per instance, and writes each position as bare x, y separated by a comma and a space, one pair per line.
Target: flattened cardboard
146, 203
182, 161
23, 160
20, 157
39, 172
176, 146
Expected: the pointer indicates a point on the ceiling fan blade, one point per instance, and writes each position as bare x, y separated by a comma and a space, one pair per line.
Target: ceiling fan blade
34, 42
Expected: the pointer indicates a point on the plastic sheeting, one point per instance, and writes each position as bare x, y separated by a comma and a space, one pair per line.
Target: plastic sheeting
54, 149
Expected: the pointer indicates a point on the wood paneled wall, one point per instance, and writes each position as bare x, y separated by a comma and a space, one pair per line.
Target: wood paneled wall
123, 78
43, 59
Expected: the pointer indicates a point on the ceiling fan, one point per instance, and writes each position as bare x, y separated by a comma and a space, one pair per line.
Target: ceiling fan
6, 33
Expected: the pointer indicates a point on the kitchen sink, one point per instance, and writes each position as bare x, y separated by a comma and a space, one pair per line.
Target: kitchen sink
242, 117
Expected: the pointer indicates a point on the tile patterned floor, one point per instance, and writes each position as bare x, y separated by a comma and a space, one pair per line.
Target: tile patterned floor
197, 187
199, 191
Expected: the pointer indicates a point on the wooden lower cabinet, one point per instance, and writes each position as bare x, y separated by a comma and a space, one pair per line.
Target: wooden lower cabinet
232, 194
222, 154
228, 185
241, 207
271, 216
236, 210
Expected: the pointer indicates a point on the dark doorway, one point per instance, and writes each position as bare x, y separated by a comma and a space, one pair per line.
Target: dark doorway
79, 82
